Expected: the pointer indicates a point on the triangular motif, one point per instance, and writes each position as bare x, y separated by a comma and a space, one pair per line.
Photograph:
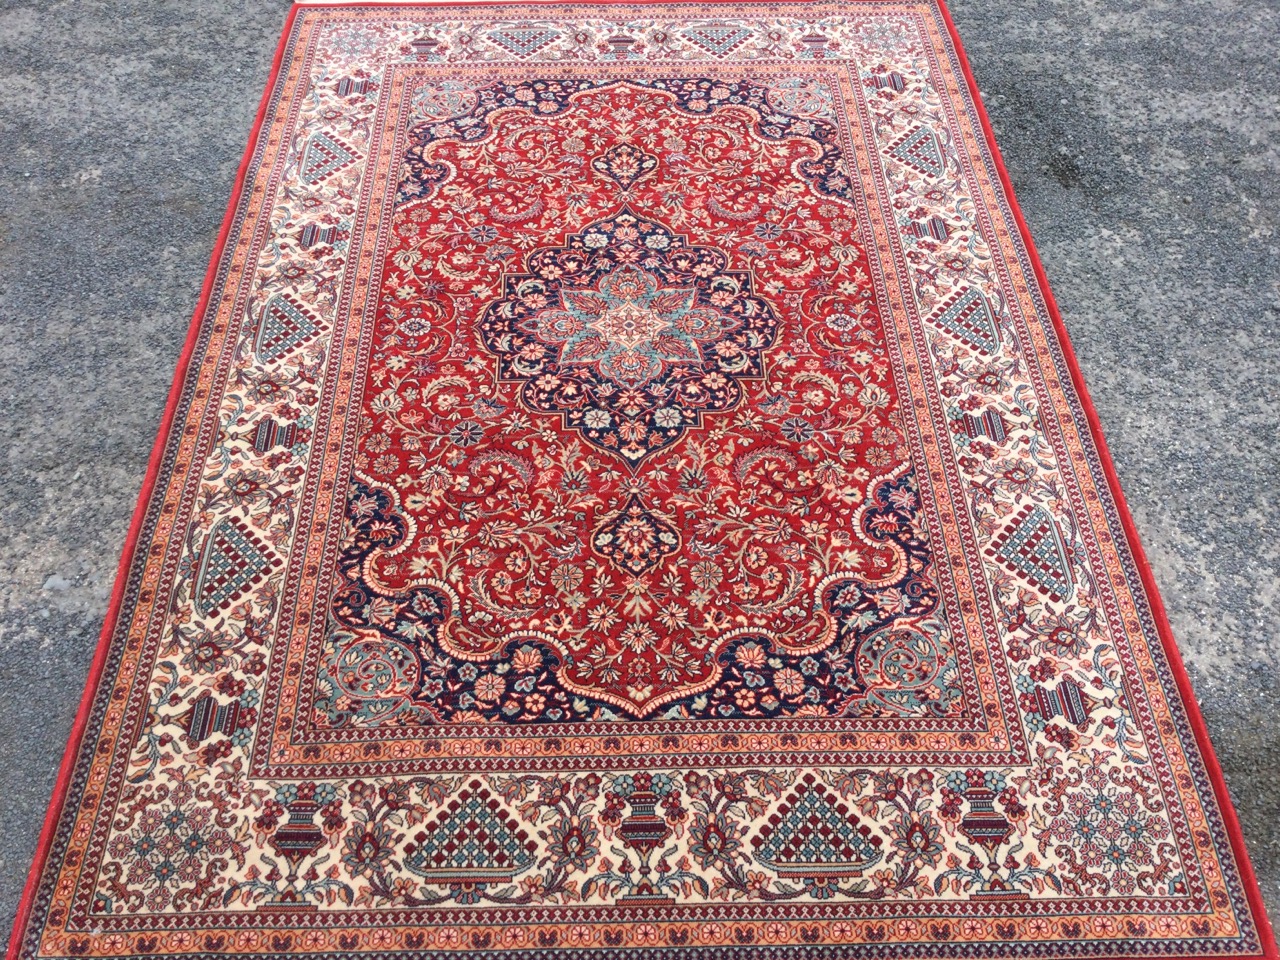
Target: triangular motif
284, 325
324, 156
624, 164
233, 560
1032, 548
815, 834
919, 149
474, 840
719, 40
966, 315
524, 41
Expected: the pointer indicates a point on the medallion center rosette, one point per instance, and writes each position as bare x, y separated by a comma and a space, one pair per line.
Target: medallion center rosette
629, 333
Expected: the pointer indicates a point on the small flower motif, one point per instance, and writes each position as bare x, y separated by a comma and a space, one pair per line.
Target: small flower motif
915, 836
573, 842
667, 417
526, 659
490, 688
790, 683
715, 841
797, 430
707, 575
467, 433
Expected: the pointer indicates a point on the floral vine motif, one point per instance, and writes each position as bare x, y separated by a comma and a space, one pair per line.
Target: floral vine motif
463, 115
582, 577
172, 844
1106, 828
567, 811
388, 659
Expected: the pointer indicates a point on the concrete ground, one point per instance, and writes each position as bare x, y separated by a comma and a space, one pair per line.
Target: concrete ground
1142, 139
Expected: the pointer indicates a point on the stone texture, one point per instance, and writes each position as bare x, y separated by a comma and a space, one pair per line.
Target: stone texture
1141, 136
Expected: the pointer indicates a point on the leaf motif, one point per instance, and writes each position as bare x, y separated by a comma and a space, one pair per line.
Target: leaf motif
591, 304
584, 350
557, 324
672, 301
512, 789
673, 348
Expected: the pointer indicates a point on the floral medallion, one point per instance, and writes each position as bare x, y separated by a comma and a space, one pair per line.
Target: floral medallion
674, 475
629, 333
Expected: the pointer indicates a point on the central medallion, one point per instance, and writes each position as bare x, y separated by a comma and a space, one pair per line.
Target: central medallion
629, 333
629, 329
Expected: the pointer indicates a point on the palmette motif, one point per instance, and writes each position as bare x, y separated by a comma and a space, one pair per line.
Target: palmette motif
627, 494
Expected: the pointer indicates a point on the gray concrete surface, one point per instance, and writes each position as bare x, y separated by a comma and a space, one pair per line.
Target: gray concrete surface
1141, 136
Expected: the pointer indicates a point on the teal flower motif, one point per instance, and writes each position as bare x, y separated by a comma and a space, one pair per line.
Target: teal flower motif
574, 842
629, 328
715, 841
915, 837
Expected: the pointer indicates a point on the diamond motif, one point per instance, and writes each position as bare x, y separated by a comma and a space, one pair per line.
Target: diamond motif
635, 539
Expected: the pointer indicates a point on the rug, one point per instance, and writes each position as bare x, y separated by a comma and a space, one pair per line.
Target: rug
627, 493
